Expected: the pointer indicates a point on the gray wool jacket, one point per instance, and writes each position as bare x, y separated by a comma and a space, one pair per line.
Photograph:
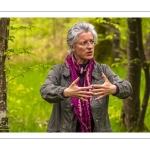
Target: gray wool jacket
62, 117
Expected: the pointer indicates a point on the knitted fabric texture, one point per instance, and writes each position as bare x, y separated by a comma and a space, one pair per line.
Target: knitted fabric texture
81, 108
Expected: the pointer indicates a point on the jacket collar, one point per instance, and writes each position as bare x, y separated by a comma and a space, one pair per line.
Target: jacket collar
95, 74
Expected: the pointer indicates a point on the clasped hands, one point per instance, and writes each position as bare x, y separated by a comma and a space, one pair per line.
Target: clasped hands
88, 92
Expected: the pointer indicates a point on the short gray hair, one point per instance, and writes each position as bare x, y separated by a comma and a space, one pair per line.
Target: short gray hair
77, 29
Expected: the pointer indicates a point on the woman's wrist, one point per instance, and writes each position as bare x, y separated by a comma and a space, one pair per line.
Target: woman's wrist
116, 90
65, 93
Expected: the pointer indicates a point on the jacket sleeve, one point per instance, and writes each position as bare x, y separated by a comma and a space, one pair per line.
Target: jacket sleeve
51, 90
125, 88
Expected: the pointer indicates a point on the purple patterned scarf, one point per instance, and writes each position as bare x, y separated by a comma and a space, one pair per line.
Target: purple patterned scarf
81, 108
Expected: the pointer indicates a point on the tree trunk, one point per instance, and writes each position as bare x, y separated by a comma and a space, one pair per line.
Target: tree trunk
131, 105
4, 125
145, 66
116, 43
147, 47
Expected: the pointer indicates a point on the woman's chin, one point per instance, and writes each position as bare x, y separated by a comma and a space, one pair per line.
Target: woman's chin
89, 57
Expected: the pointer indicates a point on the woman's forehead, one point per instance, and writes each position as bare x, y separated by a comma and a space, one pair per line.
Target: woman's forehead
85, 35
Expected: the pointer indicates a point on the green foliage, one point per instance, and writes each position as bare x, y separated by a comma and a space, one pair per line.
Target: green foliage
21, 72
21, 27
119, 62
106, 29
11, 52
45, 37
27, 111
11, 38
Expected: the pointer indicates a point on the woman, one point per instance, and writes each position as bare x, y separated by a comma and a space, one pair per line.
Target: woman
80, 87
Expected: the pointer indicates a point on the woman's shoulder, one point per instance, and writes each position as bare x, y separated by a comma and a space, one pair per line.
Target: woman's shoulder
59, 66
101, 65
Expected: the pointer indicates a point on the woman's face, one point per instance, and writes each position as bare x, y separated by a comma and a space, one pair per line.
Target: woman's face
84, 48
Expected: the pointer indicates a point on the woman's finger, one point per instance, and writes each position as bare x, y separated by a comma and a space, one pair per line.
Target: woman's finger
75, 81
83, 99
104, 77
99, 97
85, 88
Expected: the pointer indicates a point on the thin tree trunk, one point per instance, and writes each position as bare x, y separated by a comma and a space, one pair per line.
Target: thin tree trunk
145, 66
4, 126
116, 43
147, 47
131, 105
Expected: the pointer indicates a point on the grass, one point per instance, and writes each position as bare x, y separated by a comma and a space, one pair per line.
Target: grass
28, 112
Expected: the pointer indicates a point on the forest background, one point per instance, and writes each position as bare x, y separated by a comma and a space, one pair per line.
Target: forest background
35, 44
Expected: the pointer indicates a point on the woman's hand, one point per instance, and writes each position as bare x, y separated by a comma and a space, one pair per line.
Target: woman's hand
104, 89
78, 92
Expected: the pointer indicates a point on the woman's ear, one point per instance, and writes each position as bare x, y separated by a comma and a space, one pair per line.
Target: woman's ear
72, 48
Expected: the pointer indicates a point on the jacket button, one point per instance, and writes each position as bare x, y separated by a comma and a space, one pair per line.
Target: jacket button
97, 120
64, 126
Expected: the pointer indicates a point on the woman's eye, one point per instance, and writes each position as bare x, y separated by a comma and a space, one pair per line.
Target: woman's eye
92, 42
84, 43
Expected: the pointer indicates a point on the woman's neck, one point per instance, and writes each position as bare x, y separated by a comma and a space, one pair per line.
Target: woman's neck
81, 61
